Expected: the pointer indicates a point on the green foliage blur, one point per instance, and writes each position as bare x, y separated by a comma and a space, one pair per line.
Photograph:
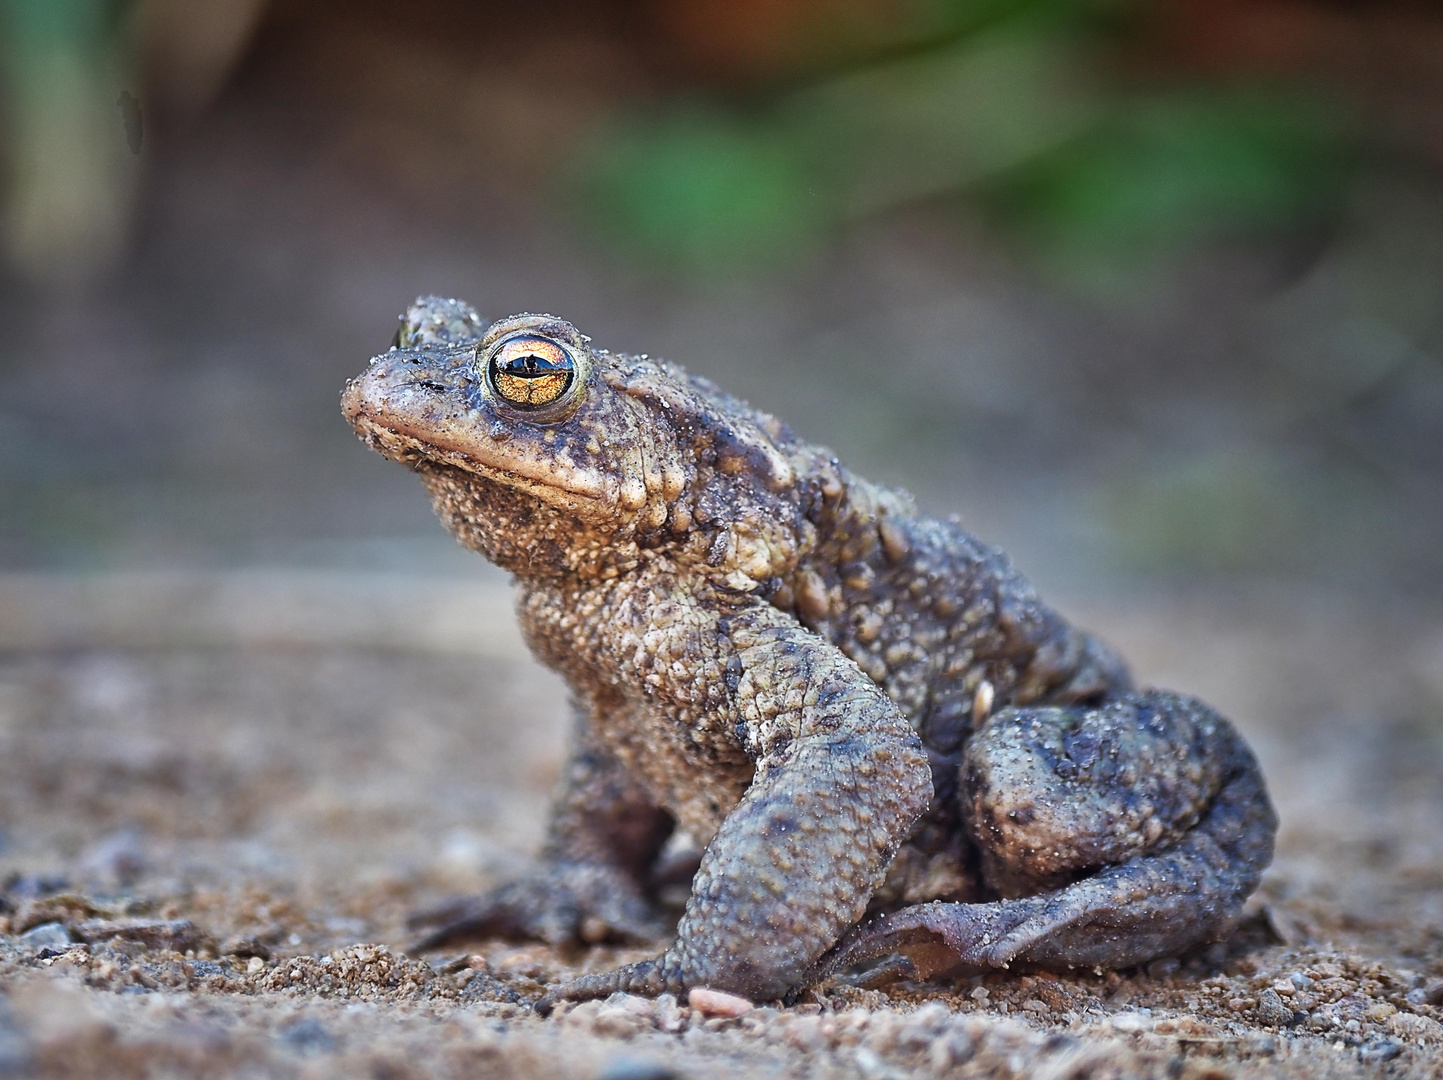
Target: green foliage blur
36, 26
1014, 109
69, 175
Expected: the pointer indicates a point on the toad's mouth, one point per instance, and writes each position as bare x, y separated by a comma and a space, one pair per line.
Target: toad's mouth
420, 432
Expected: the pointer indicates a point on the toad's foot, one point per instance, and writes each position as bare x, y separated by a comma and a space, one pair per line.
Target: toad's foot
937, 938
560, 903
647, 977
956, 939
1155, 904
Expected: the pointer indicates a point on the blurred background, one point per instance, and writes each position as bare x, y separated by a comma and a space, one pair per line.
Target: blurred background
1150, 291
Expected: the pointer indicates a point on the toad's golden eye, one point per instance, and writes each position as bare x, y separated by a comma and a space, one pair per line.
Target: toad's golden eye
530, 372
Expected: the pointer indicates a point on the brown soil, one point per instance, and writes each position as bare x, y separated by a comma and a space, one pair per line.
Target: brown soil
213, 835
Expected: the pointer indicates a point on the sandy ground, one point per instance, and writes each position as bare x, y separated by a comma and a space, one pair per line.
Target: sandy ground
223, 795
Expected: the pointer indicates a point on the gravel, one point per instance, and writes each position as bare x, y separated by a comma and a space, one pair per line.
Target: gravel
282, 811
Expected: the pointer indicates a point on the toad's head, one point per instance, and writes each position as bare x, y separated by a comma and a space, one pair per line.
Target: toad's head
547, 454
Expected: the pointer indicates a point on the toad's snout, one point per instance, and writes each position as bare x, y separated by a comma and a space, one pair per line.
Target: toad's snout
399, 390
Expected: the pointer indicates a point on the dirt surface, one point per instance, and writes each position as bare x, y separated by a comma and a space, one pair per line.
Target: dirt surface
223, 792
213, 836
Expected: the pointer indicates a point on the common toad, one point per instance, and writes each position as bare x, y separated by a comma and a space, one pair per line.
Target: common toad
885, 743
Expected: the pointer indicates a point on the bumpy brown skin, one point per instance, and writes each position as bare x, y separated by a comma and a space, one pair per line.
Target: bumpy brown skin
853, 708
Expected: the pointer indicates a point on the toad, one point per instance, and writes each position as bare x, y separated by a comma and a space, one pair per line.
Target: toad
888, 749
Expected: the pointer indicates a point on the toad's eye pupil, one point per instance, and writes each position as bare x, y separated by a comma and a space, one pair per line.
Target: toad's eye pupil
531, 371
529, 366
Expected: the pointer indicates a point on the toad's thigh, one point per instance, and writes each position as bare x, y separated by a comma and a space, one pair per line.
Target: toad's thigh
1050, 793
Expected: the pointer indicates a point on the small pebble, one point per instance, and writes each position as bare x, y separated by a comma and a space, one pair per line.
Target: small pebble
637, 1068
668, 1013
1130, 1022
307, 1036
717, 1003
51, 935
1271, 1009
869, 1062
254, 965
483, 986
633, 1004
982, 701
1430, 993
1378, 1052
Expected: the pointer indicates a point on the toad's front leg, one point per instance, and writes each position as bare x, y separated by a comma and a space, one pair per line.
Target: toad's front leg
840, 780
1115, 834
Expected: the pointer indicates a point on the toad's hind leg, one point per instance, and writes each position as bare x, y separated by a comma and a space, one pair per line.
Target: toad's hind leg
1114, 835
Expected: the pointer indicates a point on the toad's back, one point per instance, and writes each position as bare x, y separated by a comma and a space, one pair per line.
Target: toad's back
936, 617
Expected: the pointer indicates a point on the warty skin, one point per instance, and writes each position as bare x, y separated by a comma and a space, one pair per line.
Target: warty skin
854, 709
